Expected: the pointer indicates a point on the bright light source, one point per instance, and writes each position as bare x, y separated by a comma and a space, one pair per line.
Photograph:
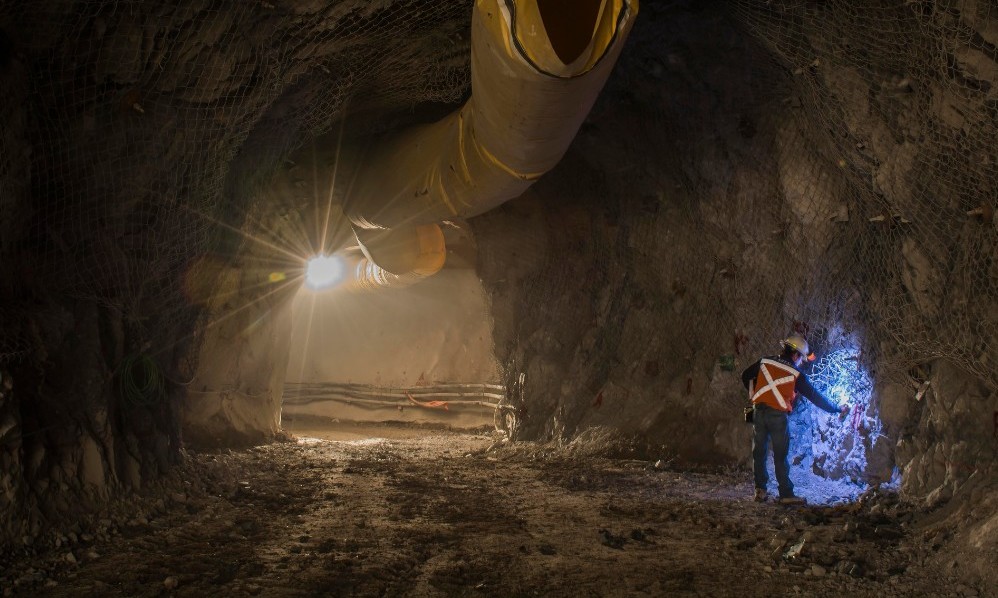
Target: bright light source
323, 271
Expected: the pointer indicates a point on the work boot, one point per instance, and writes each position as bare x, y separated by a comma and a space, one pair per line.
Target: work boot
760, 495
792, 500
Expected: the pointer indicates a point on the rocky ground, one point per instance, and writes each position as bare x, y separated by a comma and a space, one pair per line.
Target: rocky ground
406, 511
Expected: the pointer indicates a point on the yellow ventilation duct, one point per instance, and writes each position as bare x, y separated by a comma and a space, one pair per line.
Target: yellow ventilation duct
405, 256
536, 69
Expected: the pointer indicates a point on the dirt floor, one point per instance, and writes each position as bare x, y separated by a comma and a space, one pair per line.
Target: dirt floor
384, 510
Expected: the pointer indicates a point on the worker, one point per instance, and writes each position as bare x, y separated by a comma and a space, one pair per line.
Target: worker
774, 383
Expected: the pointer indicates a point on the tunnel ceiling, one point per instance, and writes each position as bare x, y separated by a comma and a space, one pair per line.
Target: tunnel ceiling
135, 128
751, 167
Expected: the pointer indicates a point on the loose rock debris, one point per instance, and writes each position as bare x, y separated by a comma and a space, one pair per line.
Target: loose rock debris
457, 514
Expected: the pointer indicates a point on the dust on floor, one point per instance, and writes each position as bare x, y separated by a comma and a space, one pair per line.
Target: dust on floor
389, 512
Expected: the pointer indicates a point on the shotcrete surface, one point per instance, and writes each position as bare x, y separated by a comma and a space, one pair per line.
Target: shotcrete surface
415, 511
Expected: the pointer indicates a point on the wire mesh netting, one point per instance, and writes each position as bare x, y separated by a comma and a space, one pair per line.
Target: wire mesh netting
138, 128
855, 204
896, 111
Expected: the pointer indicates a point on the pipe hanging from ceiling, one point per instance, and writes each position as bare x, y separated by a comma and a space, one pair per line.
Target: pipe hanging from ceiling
423, 253
537, 67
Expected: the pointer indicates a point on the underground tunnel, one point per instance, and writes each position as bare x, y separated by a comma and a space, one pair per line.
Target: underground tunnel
415, 298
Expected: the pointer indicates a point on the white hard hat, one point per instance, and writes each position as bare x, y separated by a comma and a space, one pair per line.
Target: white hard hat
799, 343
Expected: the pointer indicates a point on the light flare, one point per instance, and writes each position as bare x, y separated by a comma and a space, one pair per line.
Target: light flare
243, 233
324, 271
232, 312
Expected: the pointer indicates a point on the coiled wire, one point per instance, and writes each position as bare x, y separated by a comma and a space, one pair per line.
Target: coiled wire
140, 381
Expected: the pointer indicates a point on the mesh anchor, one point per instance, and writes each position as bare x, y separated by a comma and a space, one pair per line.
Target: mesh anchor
984, 212
889, 219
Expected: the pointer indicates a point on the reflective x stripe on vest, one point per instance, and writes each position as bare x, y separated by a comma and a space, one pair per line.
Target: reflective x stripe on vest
775, 392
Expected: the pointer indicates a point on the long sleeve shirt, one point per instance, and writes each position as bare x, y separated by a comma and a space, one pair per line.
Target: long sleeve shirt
803, 386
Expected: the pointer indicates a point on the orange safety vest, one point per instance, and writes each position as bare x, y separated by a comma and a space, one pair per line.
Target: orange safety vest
775, 385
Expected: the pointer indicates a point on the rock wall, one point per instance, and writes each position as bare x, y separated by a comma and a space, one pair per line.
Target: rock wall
824, 166
79, 421
951, 438
234, 397
744, 175
602, 277
134, 137
709, 206
72, 428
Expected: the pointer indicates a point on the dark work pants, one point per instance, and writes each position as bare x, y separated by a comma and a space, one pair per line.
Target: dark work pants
769, 423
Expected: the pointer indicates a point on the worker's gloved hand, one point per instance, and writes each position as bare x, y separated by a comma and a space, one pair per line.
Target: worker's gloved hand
843, 413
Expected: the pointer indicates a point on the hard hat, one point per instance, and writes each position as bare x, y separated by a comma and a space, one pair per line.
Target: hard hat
799, 344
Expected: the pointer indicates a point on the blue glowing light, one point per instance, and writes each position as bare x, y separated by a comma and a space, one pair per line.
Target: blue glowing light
839, 447
830, 455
